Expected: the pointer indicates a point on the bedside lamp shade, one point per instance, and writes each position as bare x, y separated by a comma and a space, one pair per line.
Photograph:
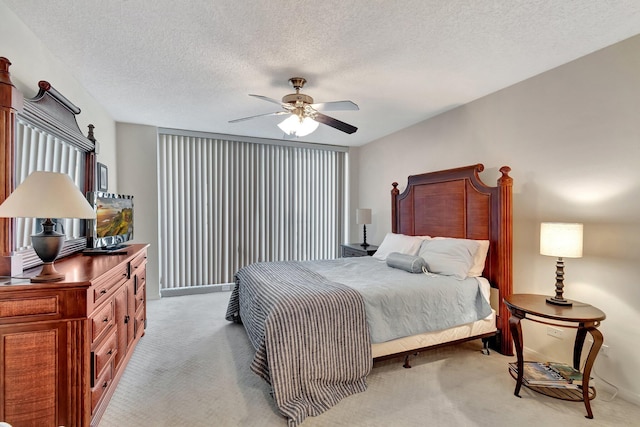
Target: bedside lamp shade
363, 216
562, 240
47, 195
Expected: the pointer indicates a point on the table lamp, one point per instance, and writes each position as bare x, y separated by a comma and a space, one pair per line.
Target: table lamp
363, 216
562, 240
47, 195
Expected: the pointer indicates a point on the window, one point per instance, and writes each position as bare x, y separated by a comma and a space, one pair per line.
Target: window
225, 203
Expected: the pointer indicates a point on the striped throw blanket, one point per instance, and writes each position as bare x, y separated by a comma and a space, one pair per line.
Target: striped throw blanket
310, 335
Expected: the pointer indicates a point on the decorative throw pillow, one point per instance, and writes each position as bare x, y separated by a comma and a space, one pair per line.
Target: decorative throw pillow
449, 257
410, 263
401, 243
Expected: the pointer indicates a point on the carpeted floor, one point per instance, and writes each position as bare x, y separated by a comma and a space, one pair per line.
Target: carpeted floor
191, 369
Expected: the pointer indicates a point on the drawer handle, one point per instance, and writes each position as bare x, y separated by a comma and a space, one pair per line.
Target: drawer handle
110, 352
126, 319
106, 383
105, 320
103, 291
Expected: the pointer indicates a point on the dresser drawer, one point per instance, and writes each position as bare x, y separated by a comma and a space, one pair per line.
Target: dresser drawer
139, 297
101, 290
141, 279
101, 387
22, 308
102, 321
140, 324
103, 355
138, 262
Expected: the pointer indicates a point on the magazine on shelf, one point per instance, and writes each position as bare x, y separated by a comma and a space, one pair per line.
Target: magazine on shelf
536, 373
550, 374
568, 372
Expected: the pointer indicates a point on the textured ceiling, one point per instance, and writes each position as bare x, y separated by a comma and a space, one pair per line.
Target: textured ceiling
191, 64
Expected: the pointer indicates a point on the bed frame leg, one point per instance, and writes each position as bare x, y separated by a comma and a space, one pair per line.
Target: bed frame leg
485, 346
407, 365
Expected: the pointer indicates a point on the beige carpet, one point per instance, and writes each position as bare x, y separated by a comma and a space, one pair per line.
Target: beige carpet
191, 369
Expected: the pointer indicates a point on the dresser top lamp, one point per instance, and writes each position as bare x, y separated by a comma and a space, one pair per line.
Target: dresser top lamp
562, 240
47, 195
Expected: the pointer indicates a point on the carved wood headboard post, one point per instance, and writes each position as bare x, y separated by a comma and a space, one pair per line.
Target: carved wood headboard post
10, 102
90, 164
394, 219
505, 248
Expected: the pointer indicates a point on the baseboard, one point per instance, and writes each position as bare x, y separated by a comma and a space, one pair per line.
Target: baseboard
193, 290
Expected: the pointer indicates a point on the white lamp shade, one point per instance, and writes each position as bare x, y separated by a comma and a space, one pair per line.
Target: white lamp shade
561, 239
47, 195
293, 125
363, 216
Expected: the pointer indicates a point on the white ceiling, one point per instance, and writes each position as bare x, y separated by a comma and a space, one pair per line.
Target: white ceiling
191, 64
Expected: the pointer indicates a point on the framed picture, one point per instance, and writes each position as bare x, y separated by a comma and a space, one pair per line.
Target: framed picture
103, 178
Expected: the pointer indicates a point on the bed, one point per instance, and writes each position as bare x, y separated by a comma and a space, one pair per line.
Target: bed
312, 325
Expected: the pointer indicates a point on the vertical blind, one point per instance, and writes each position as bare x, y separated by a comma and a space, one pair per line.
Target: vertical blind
224, 204
37, 150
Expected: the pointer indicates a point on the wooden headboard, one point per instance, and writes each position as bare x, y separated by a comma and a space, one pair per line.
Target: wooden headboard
456, 203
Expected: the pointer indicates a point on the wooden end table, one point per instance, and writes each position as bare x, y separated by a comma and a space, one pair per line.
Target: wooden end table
587, 318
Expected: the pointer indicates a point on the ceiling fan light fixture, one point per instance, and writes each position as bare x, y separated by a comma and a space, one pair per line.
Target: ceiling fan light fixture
305, 114
298, 126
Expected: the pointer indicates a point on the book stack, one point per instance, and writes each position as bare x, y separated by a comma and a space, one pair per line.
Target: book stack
550, 374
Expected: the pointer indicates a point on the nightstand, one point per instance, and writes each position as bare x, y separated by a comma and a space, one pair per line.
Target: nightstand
587, 318
355, 249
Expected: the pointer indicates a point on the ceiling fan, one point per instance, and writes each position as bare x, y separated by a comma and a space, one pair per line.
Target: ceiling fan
304, 114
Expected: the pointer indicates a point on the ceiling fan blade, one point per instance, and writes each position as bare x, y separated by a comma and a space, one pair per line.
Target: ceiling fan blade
266, 98
334, 123
336, 106
277, 113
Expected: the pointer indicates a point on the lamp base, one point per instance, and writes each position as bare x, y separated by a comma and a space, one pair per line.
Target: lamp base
48, 274
364, 243
558, 301
47, 245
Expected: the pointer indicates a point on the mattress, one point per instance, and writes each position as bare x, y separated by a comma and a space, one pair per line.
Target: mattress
428, 339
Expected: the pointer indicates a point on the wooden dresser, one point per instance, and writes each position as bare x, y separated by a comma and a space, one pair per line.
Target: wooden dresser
64, 345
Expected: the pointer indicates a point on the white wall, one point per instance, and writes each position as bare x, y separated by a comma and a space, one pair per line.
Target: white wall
137, 175
572, 139
32, 62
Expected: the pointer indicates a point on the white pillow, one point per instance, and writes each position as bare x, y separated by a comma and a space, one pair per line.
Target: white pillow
409, 245
479, 257
449, 257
